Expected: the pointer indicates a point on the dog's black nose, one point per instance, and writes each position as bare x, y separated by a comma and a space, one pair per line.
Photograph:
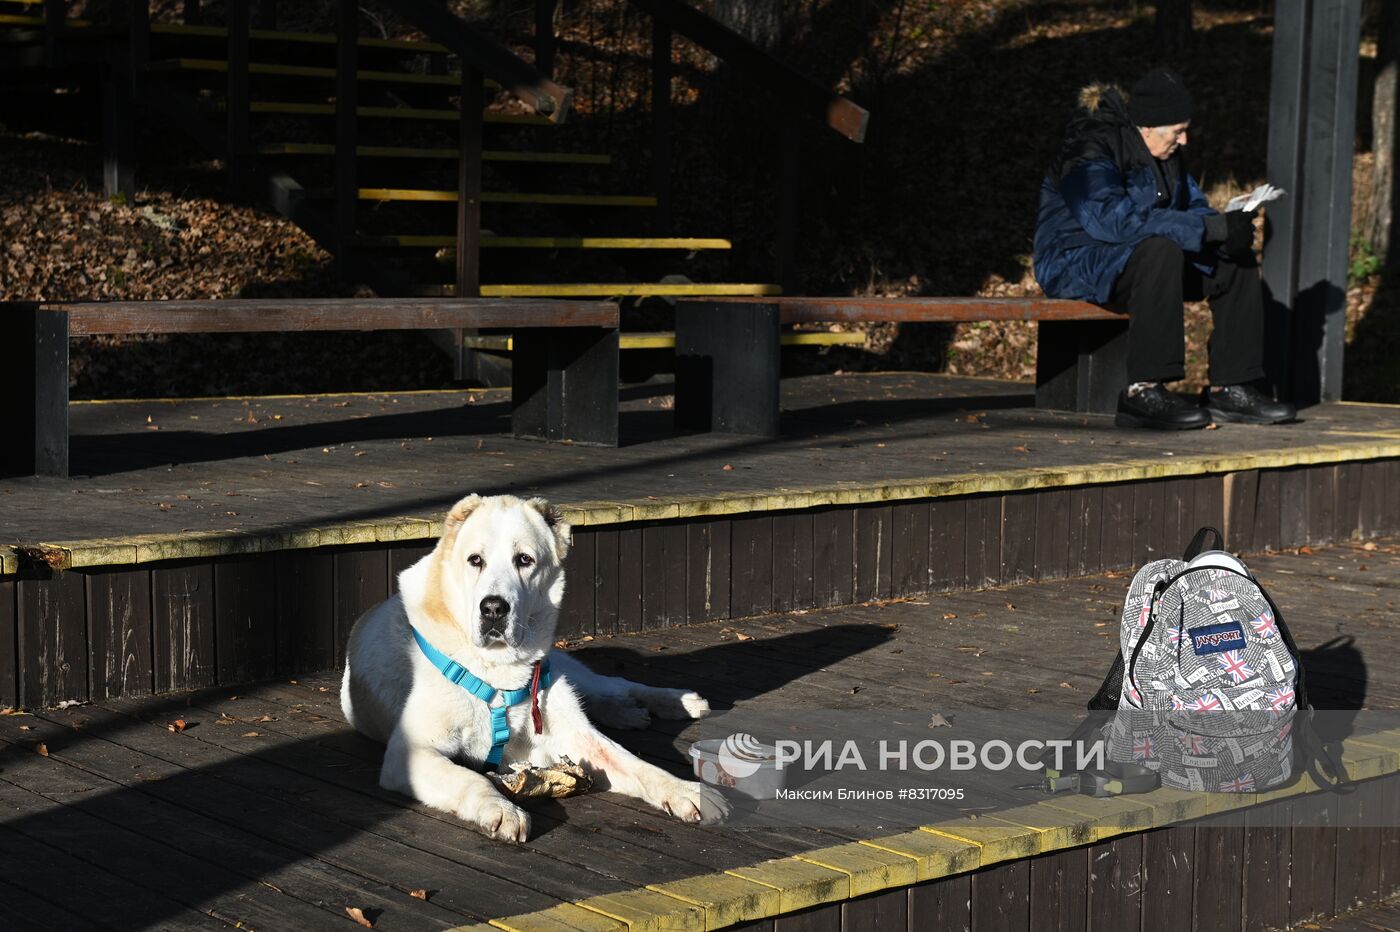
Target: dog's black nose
494, 608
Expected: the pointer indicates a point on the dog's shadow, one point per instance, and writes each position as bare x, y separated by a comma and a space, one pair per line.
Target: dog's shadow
740, 670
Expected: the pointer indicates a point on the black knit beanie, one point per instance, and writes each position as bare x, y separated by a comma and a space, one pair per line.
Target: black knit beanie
1160, 98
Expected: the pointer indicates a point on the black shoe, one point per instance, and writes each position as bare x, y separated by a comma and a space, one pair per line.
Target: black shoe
1159, 409
1245, 404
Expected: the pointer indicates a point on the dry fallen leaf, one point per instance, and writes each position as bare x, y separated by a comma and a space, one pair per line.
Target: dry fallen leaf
42, 749
251, 734
1305, 551
265, 718
1067, 685
742, 636
177, 726
1010, 606
1369, 545
728, 468
1021, 449
949, 615
1212, 426
938, 721
26, 728
418, 894
856, 689
357, 914
1032, 692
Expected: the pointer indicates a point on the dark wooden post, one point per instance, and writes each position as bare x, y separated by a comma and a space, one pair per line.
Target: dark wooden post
237, 95
469, 202
347, 186
139, 41
55, 13
1312, 122
34, 376
122, 75
727, 367
544, 36
662, 121
1287, 89
267, 14
789, 188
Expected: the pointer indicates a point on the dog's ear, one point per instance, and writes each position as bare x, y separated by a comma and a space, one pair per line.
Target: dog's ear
554, 520
456, 516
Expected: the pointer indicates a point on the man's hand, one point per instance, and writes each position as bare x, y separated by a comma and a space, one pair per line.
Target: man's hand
1239, 238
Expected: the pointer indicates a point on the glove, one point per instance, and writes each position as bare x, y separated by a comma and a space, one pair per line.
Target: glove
1239, 238
1217, 228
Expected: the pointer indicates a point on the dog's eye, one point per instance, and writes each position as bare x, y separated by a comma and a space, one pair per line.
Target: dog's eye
523, 560
475, 560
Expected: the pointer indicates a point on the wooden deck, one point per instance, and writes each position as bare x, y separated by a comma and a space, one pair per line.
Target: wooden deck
263, 808
261, 466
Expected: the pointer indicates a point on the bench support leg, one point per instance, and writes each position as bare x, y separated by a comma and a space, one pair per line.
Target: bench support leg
564, 385
727, 367
34, 371
1081, 365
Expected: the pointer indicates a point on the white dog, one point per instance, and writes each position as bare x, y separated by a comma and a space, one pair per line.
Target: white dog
486, 602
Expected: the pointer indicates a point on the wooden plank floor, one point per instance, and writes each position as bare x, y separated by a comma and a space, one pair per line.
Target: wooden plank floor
263, 809
244, 465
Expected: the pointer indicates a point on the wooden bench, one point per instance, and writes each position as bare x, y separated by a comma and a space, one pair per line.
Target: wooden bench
564, 385
727, 359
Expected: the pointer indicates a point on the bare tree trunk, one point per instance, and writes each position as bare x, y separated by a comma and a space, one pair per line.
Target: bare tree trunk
1173, 27
1385, 193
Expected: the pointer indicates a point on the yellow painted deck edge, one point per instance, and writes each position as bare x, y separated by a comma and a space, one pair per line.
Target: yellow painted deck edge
878, 863
75, 554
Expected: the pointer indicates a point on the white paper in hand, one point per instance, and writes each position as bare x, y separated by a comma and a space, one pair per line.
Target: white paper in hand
1260, 195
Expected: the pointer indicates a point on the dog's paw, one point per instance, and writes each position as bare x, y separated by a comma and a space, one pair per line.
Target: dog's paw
695, 704
695, 802
499, 819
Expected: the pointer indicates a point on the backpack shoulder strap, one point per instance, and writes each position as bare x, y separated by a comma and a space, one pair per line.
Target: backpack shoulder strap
1198, 543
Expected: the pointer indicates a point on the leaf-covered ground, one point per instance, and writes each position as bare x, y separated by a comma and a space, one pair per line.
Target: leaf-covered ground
967, 98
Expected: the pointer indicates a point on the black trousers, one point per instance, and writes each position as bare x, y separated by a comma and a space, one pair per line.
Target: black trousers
1152, 289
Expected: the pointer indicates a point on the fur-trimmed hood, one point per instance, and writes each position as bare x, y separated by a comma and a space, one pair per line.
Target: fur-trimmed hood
1094, 95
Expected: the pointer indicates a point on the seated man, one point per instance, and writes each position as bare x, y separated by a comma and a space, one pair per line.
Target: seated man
1122, 224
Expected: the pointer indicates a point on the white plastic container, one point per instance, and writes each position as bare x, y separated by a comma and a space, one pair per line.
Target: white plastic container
741, 763
1222, 559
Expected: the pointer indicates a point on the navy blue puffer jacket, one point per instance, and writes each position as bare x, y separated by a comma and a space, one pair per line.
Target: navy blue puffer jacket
1104, 195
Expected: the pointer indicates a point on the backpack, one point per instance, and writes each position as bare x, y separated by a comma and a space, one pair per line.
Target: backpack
1200, 635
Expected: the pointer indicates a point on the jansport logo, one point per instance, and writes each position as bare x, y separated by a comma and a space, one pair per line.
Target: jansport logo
1216, 638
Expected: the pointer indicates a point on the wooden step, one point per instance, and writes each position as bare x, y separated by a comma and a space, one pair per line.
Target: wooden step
609, 290
550, 242
402, 152
391, 113
509, 197
217, 66
273, 35
17, 19
504, 343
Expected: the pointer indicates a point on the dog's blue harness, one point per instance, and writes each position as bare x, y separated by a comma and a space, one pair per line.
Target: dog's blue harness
500, 728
